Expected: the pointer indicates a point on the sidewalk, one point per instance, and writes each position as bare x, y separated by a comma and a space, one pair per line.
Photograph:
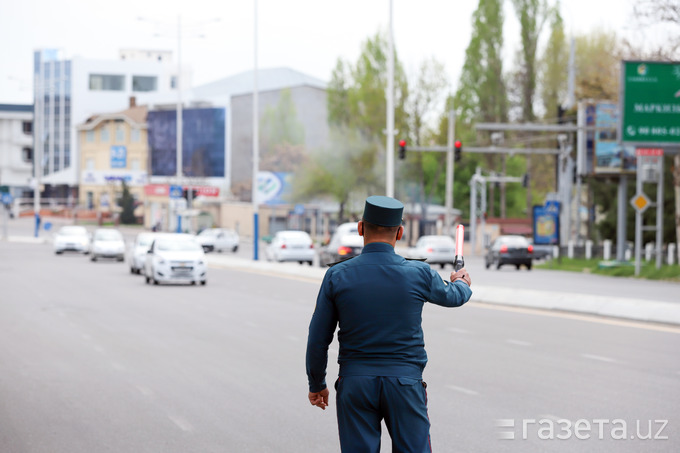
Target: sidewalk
616, 307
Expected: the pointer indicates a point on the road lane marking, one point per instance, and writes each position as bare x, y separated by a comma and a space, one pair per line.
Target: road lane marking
598, 357
181, 423
580, 317
462, 390
518, 342
457, 330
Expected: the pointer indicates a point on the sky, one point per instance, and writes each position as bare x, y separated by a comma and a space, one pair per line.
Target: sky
305, 35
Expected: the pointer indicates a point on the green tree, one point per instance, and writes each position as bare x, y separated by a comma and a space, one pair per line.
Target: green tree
598, 60
127, 203
282, 136
554, 66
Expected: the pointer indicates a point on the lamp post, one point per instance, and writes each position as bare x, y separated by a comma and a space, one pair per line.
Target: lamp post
256, 143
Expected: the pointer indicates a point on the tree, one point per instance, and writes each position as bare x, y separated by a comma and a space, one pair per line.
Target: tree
598, 60
482, 94
553, 66
283, 136
127, 203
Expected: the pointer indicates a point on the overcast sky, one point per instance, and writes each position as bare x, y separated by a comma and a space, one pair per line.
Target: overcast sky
305, 35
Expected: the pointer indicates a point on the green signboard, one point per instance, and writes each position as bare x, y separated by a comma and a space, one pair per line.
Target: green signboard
650, 102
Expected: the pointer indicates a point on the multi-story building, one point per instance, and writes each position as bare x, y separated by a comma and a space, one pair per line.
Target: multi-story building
68, 91
113, 148
16, 148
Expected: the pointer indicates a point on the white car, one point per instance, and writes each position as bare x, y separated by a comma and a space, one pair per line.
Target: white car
107, 243
71, 238
136, 254
435, 249
175, 258
218, 239
291, 245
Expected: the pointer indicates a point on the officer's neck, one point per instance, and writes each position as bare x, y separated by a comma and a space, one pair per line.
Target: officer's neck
379, 239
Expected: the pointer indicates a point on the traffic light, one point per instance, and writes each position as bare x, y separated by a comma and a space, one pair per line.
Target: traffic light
402, 149
525, 180
458, 147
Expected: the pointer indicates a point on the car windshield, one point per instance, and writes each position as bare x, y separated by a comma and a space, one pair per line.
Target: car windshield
515, 241
73, 231
178, 246
110, 235
294, 235
444, 240
144, 240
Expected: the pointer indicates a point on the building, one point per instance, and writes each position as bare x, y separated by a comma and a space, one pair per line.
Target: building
113, 148
69, 91
16, 148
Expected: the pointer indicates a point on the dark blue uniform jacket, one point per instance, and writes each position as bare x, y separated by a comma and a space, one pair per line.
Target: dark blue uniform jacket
377, 299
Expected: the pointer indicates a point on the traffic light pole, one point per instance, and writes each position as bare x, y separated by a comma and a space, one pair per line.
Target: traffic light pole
449, 172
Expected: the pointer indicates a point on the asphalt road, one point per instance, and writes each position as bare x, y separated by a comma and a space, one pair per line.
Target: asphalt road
94, 360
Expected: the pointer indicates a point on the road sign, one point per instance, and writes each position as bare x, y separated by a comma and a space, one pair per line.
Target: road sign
640, 202
176, 192
6, 198
650, 162
650, 102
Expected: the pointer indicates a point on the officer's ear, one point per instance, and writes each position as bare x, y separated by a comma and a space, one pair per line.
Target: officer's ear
400, 232
360, 227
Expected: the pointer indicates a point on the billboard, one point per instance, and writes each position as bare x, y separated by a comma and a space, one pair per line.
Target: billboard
203, 142
546, 223
650, 101
273, 187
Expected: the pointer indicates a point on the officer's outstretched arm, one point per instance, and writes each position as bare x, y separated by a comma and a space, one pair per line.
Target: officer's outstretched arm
450, 294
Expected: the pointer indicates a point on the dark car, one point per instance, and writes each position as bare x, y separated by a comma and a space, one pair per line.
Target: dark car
344, 244
514, 250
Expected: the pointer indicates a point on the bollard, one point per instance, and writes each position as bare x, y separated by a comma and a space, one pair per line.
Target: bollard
671, 253
607, 250
570, 249
589, 249
556, 251
649, 247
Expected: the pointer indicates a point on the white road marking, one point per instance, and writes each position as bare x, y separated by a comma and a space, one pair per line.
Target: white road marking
462, 390
518, 342
457, 330
598, 357
181, 423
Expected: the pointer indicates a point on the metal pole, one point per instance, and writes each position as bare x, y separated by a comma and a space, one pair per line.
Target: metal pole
389, 189
179, 116
659, 214
39, 121
449, 174
638, 221
473, 214
621, 219
580, 160
256, 144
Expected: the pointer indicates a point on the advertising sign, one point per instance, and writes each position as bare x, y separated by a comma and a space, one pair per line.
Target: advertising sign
610, 155
650, 102
547, 224
273, 188
118, 157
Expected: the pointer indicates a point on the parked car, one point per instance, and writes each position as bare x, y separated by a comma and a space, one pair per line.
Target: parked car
136, 253
344, 244
509, 249
218, 239
71, 238
435, 249
175, 258
107, 243
291, 245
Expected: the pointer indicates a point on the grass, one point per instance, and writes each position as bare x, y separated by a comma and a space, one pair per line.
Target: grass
648, 269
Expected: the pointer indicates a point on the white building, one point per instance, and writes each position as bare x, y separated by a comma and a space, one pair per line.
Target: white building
68, 92
16, 148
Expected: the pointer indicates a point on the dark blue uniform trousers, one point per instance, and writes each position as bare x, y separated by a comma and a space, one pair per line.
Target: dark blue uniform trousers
363, 401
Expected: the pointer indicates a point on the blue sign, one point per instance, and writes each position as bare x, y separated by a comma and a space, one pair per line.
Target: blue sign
176, 192
118, 157
299, 209
6, 198
546, 224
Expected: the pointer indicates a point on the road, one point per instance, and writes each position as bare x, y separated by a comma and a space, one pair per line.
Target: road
92, 359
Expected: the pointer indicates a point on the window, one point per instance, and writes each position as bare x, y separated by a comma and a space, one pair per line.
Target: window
135, 135
27, 127
89, 163
103, 82
173, 82
89, 136
144, 83
105, 134
120, 132
134, 164
27, 154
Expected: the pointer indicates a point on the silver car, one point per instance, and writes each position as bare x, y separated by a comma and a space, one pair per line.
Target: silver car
71, 238
107, 243
136, 254
291, 245
435, 250
175, 258
218, 239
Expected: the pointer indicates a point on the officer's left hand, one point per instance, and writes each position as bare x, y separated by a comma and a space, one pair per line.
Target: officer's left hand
319, 399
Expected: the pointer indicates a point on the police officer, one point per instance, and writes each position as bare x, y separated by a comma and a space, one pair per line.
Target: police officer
377, 299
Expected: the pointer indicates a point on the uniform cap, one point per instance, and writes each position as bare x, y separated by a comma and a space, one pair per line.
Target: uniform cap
383, 211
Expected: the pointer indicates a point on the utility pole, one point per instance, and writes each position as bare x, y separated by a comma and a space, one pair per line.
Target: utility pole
389, 190
449, 172
256, 146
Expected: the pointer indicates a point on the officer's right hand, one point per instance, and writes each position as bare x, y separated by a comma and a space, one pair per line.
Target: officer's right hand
319, 399
461, 275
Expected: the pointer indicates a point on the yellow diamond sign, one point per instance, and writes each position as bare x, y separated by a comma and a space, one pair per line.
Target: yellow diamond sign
640, 202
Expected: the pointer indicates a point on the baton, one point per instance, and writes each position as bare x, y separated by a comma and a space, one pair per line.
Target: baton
459, 262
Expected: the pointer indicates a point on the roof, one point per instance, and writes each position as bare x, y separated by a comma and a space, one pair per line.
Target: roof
134, 115
16, 108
